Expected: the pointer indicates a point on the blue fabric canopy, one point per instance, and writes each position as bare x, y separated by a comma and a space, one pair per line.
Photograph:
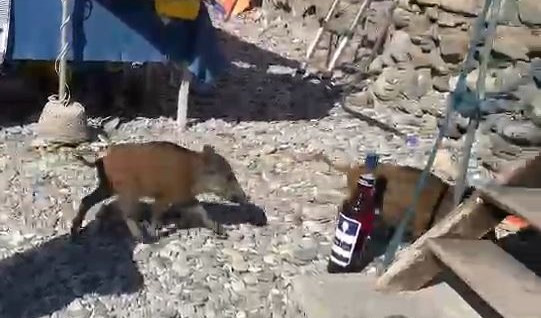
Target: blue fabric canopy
116, 31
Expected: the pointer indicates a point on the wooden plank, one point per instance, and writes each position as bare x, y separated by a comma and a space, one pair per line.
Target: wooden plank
360, 13
504, 283
415, 266
524, 202
319, 32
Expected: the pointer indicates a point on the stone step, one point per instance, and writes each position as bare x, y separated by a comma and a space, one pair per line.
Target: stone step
524, 202
505, 284
354, 296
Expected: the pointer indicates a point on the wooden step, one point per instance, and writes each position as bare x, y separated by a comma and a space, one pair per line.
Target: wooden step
525, 202
505, 284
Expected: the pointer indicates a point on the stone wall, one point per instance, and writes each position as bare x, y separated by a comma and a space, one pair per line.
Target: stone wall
407, 84
428, 43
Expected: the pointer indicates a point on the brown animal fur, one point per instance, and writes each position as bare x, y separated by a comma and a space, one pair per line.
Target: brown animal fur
435, 200
165, 172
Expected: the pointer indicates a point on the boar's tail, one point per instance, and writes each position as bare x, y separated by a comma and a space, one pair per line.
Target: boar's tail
339, 167
320, 156
84, 161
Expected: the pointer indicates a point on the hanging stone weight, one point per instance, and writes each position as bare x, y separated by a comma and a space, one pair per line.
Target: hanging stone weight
62, 124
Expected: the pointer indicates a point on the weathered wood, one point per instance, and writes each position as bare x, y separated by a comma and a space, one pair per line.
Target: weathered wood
414, 267
524, 202
523, 174
382, 35
230, 13
345, 39
182, 103
505, 284
319, 32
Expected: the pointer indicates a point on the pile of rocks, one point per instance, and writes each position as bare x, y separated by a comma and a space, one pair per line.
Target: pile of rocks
429, 42
409, 80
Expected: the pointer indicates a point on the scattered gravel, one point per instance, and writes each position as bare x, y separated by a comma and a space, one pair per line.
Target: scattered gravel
190, 273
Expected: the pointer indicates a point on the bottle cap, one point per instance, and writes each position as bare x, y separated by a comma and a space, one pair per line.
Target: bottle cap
371, 160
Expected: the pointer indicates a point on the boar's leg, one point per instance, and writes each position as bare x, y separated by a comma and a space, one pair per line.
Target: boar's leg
128, 208
199, 211
99, 194
158, 208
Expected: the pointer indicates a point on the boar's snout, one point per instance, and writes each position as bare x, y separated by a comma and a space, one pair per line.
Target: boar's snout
240, 197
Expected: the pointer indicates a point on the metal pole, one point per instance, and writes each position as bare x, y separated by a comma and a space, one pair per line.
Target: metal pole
63, 52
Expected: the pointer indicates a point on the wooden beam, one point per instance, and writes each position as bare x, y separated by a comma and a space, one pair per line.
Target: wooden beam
228, 16
415, 266
503, 282
319, 32
524, 202
347, 37
380, 40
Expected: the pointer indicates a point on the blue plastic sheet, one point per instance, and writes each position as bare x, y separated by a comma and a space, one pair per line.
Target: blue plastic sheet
115, 31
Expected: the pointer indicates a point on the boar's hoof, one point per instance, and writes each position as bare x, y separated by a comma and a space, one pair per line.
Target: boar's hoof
74, 234
222, 236
220, 231
151, 237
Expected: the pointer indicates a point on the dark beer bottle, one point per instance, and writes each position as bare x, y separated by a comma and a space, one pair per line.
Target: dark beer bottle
355, 221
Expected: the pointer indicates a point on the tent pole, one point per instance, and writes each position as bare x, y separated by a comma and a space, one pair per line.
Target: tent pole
182, 102
63, 52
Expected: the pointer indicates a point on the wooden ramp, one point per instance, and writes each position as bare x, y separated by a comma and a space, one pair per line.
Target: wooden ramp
504, 283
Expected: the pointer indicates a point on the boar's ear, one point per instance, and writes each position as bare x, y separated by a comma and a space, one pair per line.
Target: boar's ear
208, 149
208, 152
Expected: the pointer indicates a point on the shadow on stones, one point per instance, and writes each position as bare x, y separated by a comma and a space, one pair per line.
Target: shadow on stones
174, 219
524, 247
374, 248
249, 93
246, 92
44, 279
237, 214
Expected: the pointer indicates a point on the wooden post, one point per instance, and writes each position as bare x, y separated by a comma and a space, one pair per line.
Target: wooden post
319, 32
415, 266
382, 35
228, 16
349, 35
182, 102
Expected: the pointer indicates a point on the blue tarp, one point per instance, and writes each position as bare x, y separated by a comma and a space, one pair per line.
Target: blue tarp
116, 31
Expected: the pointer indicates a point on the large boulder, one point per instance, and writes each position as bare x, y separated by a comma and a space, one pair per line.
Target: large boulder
530, 11
535, 109
454, 46
429, 2
509, 13
467, 7
517, 42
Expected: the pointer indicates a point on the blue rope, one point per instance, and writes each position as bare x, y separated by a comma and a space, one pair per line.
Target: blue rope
475, 114
461, 100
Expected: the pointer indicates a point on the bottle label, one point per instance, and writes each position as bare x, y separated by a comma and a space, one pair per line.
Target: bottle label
366, 181
345, 238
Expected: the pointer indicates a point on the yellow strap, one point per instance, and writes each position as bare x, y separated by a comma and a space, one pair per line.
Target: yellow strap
179, 9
